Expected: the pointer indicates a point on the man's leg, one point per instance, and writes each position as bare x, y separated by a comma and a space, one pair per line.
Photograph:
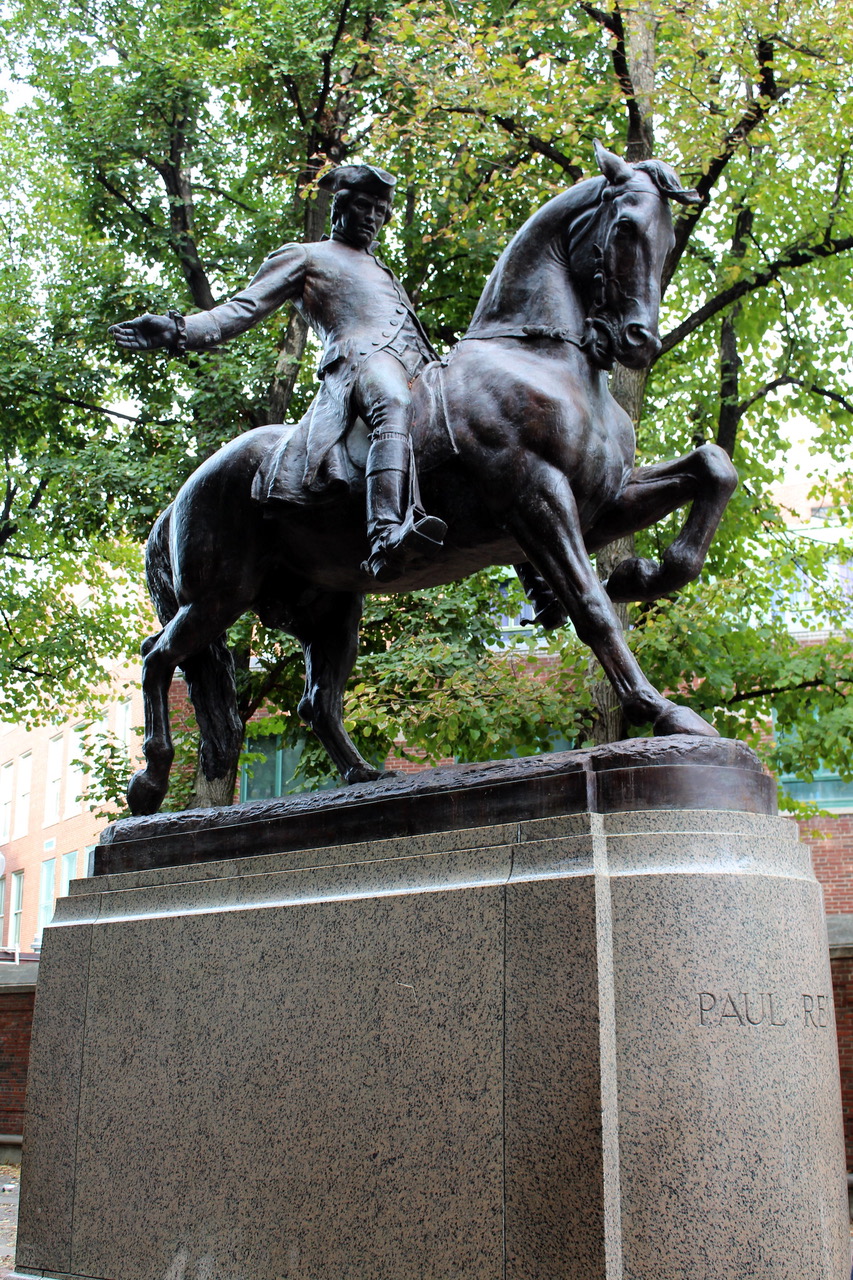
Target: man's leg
398, 530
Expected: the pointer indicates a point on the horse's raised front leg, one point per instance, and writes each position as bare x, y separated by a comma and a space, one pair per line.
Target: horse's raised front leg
705, 478
327, 629
547, 528
191, 630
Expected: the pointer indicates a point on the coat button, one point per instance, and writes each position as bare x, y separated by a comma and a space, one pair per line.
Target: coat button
385, 333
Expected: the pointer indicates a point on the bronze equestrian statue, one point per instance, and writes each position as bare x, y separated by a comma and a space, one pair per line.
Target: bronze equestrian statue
523, 457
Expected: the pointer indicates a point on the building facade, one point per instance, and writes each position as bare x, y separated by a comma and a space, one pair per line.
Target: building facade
48, 830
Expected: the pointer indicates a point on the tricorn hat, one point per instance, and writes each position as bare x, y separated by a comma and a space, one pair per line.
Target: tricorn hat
359, 177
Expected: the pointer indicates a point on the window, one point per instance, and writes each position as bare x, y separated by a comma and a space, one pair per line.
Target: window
22, 796
47, 890
53, 781
6, 792
273, 775
825, 789
17, 909
124, 728
67, 872
76, 782
2, 899
89, 859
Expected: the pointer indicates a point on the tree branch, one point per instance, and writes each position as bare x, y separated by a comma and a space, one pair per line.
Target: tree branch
729, 416
97, 408
11, 494
769, 93
181, 221
800, 257
37, 494
327, 59
293, 93
509, 125
226, 195
603, 19
636, 124
790, 381
772, 690
123, 199
250, 704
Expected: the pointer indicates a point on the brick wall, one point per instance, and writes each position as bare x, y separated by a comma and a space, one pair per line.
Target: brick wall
842, 992
16, 1024
831, 843
416, 765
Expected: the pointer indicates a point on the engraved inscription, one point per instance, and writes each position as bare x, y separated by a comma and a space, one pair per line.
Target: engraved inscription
816, 1011
761, 1009
741, 1009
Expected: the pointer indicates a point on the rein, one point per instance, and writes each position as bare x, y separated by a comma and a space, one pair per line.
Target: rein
527, 331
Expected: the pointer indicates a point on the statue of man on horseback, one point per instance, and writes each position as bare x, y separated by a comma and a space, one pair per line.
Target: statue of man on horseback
525, 459
374, 346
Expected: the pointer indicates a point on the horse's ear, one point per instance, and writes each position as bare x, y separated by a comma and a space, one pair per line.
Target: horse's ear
615, 170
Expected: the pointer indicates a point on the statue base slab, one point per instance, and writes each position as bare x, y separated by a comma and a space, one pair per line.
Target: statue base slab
587, 1044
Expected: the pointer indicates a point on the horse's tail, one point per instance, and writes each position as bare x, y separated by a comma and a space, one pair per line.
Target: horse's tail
158, 569
209, 673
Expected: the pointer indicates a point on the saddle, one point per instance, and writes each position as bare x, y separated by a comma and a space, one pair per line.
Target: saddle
281, 476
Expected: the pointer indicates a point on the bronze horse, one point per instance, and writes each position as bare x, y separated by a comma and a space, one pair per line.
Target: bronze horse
542, 472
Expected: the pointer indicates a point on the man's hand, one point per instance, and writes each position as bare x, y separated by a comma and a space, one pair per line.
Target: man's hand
146, 333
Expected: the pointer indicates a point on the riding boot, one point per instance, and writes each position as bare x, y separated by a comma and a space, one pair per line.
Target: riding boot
550, 614
398, 527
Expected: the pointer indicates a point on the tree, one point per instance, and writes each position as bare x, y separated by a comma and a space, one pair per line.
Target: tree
756, 111
185, 146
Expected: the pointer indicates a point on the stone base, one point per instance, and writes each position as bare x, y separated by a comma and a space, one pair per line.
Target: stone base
589, 1046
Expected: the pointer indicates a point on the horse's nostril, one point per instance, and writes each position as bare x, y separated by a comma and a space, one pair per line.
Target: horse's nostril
637, 335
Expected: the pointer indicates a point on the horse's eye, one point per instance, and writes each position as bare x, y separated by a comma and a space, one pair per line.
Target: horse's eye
624, 227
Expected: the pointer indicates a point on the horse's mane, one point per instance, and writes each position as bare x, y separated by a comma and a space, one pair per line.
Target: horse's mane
667, 181
513, 280
516, 291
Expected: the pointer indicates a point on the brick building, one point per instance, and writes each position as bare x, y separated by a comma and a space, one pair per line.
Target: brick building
47, 830
831, 842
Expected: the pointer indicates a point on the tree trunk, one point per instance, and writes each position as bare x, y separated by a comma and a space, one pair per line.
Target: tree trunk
730, 362
213, 794
627, 386
293, 348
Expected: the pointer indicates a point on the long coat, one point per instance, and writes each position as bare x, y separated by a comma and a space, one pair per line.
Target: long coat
352, 301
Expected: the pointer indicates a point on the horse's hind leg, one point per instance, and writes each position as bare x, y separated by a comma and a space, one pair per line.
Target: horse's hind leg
705, 478
547, 527
191, 630
327, 629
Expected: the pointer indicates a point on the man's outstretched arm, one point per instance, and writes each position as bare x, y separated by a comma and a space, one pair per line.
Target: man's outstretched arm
280, 279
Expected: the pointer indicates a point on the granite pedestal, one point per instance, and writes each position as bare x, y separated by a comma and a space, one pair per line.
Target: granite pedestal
591, 1041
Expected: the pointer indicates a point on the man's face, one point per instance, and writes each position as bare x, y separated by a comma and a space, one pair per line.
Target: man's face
363, 219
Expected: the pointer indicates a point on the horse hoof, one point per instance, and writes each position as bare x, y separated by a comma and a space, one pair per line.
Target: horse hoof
682, 720
634, 580
143, 797
364, 773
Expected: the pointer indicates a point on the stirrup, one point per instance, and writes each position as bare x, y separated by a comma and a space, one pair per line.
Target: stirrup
419, 534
